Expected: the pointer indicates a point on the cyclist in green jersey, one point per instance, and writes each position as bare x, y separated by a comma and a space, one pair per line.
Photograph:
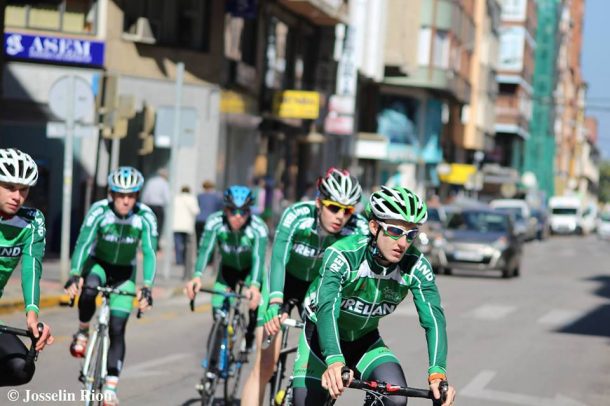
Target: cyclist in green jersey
105, 255
22, 238
303, 233
242, 239
362, 280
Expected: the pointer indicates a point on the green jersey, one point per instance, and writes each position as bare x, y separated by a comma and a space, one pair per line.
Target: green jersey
22, 237
353, 292
241, 250
115, 240
300, 243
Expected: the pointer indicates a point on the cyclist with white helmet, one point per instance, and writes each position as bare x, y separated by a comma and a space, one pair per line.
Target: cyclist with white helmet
305, 230
363, 279
22, 238
242, 238
105, 255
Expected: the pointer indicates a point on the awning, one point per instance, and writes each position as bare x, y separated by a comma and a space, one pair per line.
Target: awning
319, 12
25, 112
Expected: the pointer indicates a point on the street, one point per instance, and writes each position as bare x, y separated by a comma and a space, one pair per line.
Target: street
539, 339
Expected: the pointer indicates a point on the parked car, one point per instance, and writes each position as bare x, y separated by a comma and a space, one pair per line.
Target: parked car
480, 239
525, 224
430, 234
543, 228
565, 214
603, 226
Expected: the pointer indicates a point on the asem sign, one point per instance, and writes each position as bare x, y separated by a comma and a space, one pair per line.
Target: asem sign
53, 49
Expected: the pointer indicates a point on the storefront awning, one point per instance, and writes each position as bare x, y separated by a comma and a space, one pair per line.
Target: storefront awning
371, 146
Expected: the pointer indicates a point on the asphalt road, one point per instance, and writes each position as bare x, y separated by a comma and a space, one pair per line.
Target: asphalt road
540, 339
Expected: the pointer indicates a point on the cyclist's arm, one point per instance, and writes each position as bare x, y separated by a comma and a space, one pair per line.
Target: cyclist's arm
86, 238
31, 264
207, 244
280, 254
431, 316
258, 252
334, 271
149, 247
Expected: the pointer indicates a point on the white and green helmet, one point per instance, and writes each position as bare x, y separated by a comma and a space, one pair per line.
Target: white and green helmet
339, 186
398, 203
17, 167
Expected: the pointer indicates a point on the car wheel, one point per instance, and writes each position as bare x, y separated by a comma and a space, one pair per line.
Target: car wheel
517, 271
506, 273
447, 271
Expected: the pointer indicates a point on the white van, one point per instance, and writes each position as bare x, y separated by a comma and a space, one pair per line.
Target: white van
565, 213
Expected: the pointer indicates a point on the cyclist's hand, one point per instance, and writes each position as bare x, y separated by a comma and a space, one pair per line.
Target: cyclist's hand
145, 298
192, 287
255, 297
273, 319
437, 394
73, 286
332, 380
43, 339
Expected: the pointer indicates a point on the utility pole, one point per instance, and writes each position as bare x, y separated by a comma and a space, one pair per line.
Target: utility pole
169, 215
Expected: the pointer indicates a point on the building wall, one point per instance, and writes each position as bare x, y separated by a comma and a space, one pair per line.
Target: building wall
402, 34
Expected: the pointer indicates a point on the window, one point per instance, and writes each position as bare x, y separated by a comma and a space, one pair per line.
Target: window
440, 58
71, 16
182, 23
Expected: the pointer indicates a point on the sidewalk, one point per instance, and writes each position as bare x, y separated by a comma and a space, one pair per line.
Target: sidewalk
52, 292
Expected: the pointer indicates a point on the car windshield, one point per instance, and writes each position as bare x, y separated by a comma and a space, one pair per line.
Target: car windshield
478, 221
515, 211
433, 214
568, 211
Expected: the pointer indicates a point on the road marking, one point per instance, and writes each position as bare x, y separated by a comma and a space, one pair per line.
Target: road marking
476, 389
146, 368
559, 317
491, 312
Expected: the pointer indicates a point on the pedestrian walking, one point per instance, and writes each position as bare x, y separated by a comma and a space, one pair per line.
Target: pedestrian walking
209, 202
185, 211
156, 195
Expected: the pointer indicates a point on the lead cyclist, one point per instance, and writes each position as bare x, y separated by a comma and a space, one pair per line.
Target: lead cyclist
362, 280
22, 238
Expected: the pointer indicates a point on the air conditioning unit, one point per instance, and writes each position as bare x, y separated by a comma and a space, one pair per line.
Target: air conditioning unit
141, 31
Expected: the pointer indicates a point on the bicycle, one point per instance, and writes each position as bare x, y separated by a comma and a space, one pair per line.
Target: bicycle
277, 395
377, 390
32, 355
225, 349
93, 371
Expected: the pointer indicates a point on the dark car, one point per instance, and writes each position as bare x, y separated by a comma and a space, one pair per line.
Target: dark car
481, 239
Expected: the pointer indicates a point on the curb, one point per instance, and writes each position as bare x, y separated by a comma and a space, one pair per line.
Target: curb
55, 300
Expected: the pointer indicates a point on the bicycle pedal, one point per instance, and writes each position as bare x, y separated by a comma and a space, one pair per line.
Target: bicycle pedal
81, 378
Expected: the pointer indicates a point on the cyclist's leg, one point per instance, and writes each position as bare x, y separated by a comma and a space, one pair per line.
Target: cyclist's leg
96, 276
12, 361
308, 370
120, 309
379, 363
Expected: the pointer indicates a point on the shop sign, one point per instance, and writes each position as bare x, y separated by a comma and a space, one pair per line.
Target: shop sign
54, 49
296, 104
236, 103
458, 174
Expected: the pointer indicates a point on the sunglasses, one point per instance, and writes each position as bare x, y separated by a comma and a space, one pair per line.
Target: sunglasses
235, 212
335, 207
395, 232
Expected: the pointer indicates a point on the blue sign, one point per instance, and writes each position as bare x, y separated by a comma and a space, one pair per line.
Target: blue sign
54, 49
246, 9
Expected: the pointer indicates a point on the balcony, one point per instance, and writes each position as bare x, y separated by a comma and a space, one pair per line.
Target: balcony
446, 80
319, 12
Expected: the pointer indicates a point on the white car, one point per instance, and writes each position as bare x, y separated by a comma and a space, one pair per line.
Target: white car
603, 226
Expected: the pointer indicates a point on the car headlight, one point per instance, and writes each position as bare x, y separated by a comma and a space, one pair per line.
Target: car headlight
501, 244
423, 239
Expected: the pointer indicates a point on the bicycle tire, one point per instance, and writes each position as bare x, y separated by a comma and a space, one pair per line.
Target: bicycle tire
208, 390
93, 374
231, 383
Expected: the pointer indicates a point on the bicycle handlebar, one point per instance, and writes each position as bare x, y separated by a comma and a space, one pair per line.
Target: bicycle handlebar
218, 292
387, 389
32, 354
285, 308
107, 291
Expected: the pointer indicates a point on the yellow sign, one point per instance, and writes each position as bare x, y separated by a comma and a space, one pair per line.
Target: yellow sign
459, 174
296, 104
235, 103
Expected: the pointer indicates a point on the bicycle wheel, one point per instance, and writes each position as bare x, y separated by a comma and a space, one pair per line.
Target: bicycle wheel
94, 367
235, 361
209, 381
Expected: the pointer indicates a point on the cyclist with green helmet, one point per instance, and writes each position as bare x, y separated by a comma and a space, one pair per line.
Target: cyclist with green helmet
22, 238
362, 280
105, 255
305, 230
241, 237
